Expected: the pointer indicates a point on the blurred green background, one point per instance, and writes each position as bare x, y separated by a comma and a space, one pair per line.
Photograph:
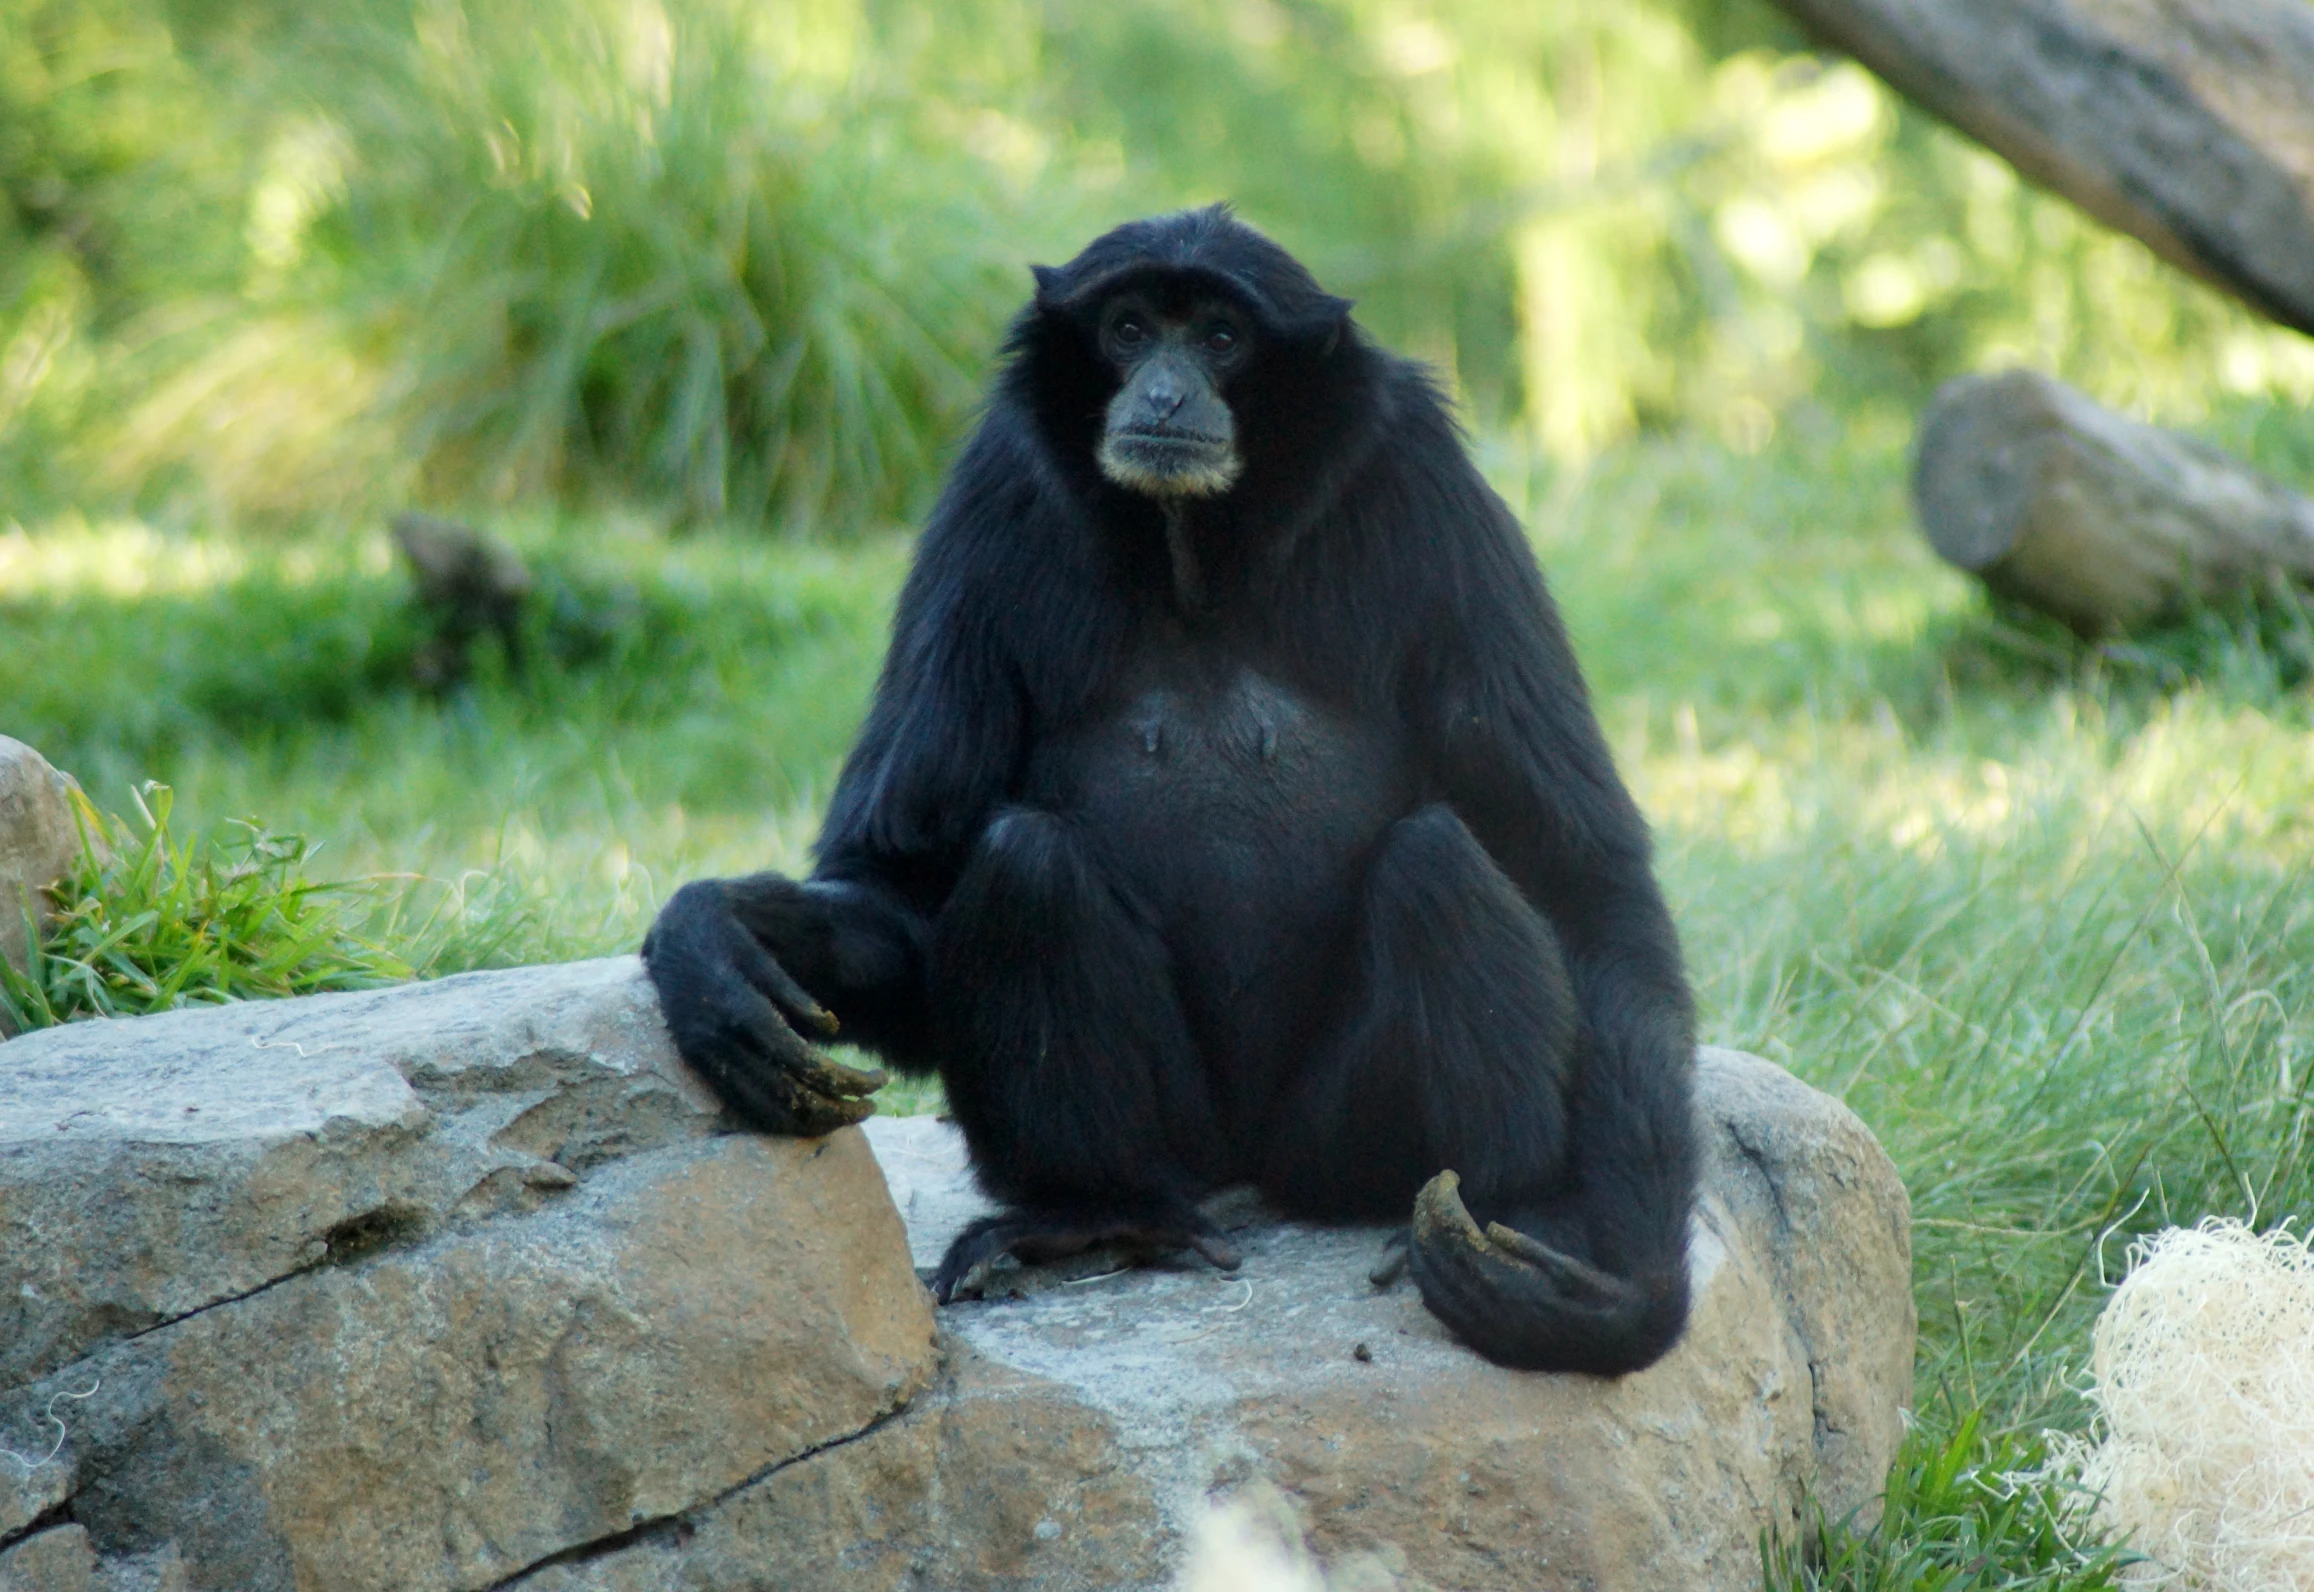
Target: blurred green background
746, 261
691, 300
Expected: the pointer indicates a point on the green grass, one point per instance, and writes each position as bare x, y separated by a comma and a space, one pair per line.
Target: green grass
2039, 915
147, 923
696, 731
2038, 911
1964, 1513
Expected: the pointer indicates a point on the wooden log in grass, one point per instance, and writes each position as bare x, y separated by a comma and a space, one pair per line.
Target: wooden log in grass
2105, 522
2188, 123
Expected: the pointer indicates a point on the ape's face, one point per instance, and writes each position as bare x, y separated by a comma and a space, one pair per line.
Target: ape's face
1169, 432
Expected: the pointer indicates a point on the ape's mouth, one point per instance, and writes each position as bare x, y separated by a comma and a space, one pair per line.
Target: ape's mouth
1164, 438
1169, 463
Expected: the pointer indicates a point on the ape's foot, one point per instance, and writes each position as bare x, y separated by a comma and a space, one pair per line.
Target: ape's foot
1040, 1233
1530, 1305
1392, 1264
1527, 1303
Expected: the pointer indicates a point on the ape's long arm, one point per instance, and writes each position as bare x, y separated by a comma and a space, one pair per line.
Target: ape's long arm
748, 970
1522, 760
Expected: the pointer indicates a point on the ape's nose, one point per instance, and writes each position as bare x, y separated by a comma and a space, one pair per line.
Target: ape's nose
1164, 398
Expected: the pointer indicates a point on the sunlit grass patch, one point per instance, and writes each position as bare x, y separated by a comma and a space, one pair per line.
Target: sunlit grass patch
149, 921
117, 560
697, 729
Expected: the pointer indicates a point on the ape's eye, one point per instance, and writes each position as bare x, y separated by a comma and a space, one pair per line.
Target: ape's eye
1221, 339
1129, 332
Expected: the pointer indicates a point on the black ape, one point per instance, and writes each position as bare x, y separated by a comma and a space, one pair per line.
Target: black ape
1231, 809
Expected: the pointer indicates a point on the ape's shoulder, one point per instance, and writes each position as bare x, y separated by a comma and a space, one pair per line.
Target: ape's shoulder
1418, 491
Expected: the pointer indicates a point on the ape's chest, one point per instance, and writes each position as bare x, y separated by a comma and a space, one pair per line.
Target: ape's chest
1239, 807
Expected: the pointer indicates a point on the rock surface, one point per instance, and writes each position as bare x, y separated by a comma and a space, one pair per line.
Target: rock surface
53, 1561
461, 1286
38, 841
415, 1289
1080, 1427
153, 1166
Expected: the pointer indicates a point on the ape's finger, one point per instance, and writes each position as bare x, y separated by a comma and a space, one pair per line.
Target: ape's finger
1576, 1278
783, 1002
828, 1076
759, 1067
815, 1114
1440, 1217
1392, 1264
764, 973
970, 1255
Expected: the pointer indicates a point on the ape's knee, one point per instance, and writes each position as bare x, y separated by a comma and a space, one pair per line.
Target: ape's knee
1026, 843
1463, 958
1433, 868
1027, 875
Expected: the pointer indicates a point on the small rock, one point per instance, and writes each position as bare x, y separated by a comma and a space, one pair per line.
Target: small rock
39, 840
469, 583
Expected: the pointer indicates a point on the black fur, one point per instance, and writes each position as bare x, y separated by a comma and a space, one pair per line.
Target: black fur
1326, 882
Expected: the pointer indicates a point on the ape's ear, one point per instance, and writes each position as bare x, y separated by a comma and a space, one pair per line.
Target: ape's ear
1048, 282
1320, 324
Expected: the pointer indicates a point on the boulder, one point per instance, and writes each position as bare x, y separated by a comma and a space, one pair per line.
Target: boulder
465, 1285
415, 1289
38, 842
1083, 1420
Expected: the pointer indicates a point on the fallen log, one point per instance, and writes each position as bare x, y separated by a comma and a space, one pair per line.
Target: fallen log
2187, 123
2104, 522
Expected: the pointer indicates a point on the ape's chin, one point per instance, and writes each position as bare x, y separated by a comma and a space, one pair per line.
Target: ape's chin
1165, 466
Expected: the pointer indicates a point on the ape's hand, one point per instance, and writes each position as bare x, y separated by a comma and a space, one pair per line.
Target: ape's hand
740, 1019
1531, 1306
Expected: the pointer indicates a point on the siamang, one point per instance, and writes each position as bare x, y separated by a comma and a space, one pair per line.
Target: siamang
1231, 810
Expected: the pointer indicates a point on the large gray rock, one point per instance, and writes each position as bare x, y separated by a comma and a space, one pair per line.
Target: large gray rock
463, 1286
1081, 1426
38, 842
415, 1289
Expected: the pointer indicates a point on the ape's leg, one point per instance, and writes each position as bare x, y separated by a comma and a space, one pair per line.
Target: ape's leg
1463, 1058
1455, 1049
1068, 1062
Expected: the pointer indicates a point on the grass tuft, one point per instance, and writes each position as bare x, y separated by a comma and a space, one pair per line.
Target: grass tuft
147, 922
1965, 1512
595, 252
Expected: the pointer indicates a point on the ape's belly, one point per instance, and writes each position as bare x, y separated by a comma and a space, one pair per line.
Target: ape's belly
1242, 814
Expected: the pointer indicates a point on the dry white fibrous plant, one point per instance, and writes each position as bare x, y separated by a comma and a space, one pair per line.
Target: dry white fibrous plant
1253, 1543
2202, 1369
